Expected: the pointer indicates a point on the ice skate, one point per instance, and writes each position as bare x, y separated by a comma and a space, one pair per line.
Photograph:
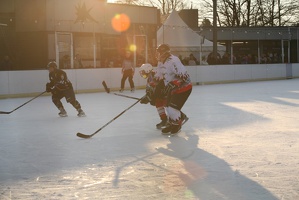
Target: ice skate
184, 118
171, 129
175, 128
132, 89
162, 124
167, 129
62, 112
81, 113
121, 90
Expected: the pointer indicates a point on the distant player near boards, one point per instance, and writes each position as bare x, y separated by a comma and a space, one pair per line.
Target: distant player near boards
177, 89
61, 87
153, 93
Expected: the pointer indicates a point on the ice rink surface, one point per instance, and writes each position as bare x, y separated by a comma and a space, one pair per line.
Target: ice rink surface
241, 143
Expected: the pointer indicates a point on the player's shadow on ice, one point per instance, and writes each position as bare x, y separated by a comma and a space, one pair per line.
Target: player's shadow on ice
208, 177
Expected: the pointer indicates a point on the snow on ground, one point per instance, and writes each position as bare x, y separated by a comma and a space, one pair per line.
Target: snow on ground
241, 143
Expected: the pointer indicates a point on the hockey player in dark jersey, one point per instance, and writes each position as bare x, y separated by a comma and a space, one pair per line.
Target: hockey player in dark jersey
153, 93
60, 87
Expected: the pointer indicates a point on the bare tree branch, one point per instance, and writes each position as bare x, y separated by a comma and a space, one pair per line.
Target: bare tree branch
254, 12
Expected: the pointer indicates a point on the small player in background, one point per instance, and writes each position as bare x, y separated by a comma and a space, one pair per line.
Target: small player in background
60, 87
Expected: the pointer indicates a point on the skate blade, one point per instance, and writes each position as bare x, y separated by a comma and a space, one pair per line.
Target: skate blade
160, 128
170, 133
185, 120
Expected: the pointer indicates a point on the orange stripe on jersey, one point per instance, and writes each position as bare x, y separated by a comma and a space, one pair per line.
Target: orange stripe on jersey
182, 89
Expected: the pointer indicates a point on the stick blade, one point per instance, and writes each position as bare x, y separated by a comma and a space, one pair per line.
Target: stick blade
105, 87
81, 135
3, 112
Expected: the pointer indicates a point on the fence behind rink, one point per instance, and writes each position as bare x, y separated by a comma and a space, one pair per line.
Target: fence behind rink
31, 82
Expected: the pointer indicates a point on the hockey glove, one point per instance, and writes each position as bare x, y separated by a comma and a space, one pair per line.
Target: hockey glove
171, 86
48, 87
145, 100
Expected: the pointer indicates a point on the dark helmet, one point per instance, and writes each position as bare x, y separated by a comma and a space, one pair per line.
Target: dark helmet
163, 48
52, 64
162, 51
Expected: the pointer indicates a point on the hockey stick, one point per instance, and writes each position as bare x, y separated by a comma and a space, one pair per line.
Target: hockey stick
81, 135
4, 112
108, 91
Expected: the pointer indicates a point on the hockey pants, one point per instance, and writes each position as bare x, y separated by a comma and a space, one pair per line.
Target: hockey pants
69, 95
175, 102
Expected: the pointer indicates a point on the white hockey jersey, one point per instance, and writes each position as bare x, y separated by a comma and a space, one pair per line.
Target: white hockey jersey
173, 70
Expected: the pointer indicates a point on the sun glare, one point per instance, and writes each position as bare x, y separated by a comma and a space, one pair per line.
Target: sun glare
120, 22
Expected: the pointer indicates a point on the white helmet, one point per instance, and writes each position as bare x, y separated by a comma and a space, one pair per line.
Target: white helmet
145, 69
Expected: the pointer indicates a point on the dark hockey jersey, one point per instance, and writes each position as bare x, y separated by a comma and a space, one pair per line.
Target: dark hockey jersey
59, 80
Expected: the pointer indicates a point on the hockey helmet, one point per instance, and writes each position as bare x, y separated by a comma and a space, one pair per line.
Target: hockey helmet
145, 69
52, 64
162, 51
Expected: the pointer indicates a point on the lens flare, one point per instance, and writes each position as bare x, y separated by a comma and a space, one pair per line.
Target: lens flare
121, 22
133, 47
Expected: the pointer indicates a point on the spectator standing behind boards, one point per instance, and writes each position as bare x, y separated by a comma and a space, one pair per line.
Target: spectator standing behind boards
204, 61
128, 71
6, 64
78, 61
192, 60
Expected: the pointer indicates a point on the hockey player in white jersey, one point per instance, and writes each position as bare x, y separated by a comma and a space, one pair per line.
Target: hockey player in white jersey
177, 87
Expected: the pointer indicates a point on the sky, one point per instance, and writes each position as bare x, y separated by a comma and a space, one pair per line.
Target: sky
195, 3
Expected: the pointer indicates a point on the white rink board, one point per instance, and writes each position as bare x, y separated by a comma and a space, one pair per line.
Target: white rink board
29, 82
